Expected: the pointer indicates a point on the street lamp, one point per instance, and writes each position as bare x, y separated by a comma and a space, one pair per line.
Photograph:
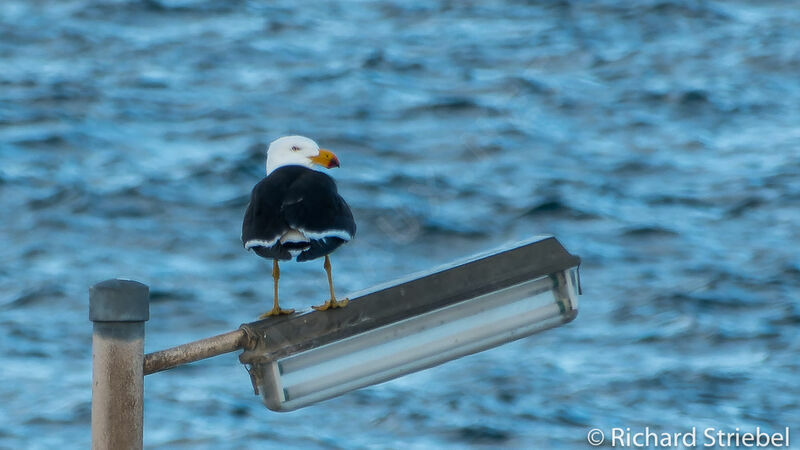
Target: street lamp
415, 323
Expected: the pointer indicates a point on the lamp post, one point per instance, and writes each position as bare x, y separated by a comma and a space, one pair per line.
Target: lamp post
384, 332
119, 309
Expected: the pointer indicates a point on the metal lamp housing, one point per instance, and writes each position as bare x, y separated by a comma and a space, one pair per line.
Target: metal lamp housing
415, 323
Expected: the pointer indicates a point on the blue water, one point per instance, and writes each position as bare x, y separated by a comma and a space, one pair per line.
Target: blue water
659, 140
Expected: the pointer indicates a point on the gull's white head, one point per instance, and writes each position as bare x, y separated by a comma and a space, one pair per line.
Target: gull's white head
298, 151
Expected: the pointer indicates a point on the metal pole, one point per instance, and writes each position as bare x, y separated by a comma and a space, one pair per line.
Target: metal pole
195, 351
118, 309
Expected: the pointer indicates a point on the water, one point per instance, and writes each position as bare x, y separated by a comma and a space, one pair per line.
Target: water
657, 139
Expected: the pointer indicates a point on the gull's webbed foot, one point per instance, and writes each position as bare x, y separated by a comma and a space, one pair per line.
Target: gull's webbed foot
332, 303
276, 311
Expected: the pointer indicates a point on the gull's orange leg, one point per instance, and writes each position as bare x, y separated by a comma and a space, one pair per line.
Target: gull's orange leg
332, 303
276, 310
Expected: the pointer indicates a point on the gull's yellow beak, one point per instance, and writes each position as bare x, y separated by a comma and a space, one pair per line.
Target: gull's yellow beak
326, 159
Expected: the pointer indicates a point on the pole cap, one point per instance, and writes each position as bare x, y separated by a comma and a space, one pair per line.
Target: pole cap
119, 301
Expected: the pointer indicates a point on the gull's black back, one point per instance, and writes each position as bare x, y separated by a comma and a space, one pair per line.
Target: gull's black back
296, 197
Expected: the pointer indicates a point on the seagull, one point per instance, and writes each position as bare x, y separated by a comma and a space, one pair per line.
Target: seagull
296, 212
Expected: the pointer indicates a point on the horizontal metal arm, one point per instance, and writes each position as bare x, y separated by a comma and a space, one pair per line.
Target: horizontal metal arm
195, 351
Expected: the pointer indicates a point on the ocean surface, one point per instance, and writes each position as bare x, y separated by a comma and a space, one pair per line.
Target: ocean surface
657, 139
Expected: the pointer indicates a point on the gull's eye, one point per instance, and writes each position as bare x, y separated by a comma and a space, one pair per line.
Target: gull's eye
295, 148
